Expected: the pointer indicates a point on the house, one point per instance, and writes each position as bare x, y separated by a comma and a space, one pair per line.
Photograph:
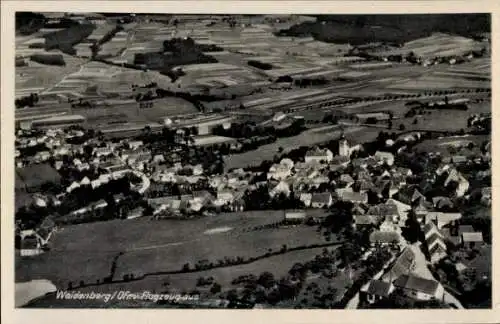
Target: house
280, 188
455, 176
287, 162
354, 197
346, 179
344, 146
384, 157
102, 151
486, 196
360, 221
421, 213
437, 252
30, 246
458, 159
134, 145
419, 288
319, 155
306, 199
321, 200
295, 216
430, 229
72, 186
278, 172
42, 156
404, 264
158, 158
238, 204
471, 239
441, 219
225, 196
417, 197
384, 238
441, 202
376, 290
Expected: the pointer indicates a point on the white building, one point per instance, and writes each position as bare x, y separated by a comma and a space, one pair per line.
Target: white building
319, 155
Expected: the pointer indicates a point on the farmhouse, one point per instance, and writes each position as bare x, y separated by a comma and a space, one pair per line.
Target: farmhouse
295, 216
321, 200
384, 238
404, 264
376, 290
471, 239
319, 155
419, 288
385, 157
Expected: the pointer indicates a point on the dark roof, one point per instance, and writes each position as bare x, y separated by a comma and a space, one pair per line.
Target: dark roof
437, 249
379, 288
403, 264
411, 282
433, 238
428, 227
364, 219
322, 198
465, 229
384, 237
29, 242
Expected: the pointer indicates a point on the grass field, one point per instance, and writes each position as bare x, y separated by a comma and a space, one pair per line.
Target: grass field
442, 145
155, 245
278, 265
307, 138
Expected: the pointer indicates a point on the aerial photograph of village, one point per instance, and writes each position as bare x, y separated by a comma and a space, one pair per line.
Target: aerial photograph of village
252, 161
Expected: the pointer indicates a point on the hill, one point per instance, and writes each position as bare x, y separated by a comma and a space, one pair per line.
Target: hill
391, 29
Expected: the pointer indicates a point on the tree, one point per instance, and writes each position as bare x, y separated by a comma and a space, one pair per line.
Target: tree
266, 280
216, 288
402, 127
185, 267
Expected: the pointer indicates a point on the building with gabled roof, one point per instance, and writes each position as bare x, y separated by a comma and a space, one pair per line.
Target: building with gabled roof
376, 290
404, 264
419, 288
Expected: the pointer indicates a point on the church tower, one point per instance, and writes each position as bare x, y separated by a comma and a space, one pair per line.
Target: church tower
343, 146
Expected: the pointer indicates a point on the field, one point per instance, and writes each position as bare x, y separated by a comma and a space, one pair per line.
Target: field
307, 138
167, 246
442, 145
186, 282
35, 175
444, 120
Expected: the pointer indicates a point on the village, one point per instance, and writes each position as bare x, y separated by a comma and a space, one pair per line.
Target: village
253, 161
423, 225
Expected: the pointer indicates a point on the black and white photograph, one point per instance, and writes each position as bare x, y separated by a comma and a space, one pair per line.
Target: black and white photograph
244, 161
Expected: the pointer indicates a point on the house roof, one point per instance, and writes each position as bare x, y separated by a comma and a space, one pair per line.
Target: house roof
435, 239
417, 195
465, 229
384, 237
403, 263
319, 152
352, 196
379, 288
383, 155
322, 198
364, 219
29, 243
443, 218
412, 282
346, 178
437, 248
429, 227
472, 237
440, 202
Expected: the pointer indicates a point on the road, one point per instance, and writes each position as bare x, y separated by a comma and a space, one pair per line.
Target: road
422, 270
